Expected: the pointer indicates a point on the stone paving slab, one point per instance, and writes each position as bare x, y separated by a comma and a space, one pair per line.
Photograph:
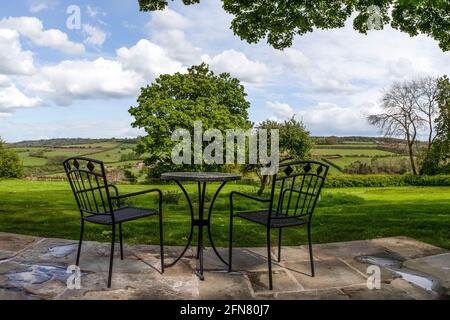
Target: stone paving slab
330, 273
407, 247
437, 266
35, 268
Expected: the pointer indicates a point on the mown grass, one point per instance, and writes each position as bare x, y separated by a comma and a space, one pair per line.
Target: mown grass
48, 209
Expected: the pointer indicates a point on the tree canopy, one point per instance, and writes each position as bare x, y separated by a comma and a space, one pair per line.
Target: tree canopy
10, 164
438, 159
295, 142
279, 21
176, 101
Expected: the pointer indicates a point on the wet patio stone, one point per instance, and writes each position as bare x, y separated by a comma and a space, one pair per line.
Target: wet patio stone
437, 266
408, 248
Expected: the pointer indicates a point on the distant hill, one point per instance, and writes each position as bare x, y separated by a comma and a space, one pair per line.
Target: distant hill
332, 140
320, 140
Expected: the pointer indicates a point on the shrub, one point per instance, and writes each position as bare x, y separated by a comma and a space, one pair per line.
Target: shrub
348, 181
130, 176
129, 157
10, 163
170, 197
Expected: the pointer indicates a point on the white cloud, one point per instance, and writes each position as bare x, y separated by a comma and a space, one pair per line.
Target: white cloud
178, 46
282, 111
4, 81
33, 29
148, 59
84, 79
122, 76
13, 60
11, 97
293, 58
331, 119
167, 29
95, 36
38, 7
342, 64
238, 65
327, 118
93, 12
168, 19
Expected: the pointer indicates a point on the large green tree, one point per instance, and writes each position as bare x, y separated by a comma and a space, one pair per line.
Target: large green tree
10, 164
176, 101
279, 21
438, 159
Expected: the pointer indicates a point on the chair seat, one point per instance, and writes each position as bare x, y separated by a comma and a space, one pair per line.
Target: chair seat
279, 221
121, 215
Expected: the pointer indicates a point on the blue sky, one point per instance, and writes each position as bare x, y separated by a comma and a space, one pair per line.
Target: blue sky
57, 81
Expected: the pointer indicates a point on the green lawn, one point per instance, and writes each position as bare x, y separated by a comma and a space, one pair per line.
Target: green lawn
48, 209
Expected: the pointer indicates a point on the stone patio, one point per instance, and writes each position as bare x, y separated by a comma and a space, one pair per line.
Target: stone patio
35, 268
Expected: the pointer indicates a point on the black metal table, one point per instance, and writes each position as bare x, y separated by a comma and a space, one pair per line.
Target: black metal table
201, 178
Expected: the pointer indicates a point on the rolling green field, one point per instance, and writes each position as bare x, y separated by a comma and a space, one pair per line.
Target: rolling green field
109, 152
41, 160
342, 156
350, 152
48, 209
29, 161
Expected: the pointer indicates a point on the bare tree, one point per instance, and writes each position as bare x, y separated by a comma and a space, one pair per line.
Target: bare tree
410, 108
427, 92
400, 117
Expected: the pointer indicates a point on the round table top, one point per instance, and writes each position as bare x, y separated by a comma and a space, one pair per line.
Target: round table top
201, 176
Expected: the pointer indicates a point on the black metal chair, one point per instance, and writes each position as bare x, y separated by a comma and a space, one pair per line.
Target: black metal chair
297, 188
87, 177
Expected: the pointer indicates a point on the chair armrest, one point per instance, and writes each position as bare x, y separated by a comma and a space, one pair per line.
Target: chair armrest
128, 195
244, 196
248, 196
117, 193
115, 188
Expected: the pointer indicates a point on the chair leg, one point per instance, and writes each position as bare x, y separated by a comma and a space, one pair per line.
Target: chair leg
310, 250
111, 258
230, 246
161, 241
121, 242
279, 244
79, 244
269, 259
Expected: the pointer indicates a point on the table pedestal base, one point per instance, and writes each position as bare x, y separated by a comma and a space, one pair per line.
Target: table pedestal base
200, 223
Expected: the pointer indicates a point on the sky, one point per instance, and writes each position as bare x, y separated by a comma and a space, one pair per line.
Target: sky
63, 77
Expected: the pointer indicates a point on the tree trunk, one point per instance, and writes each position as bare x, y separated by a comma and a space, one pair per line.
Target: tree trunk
411, 158
430, 136
264, 182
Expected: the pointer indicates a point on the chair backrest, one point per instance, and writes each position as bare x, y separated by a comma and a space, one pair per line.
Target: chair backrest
296, 188
87, 177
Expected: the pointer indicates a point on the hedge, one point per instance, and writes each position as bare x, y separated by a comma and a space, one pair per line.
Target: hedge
384, 180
